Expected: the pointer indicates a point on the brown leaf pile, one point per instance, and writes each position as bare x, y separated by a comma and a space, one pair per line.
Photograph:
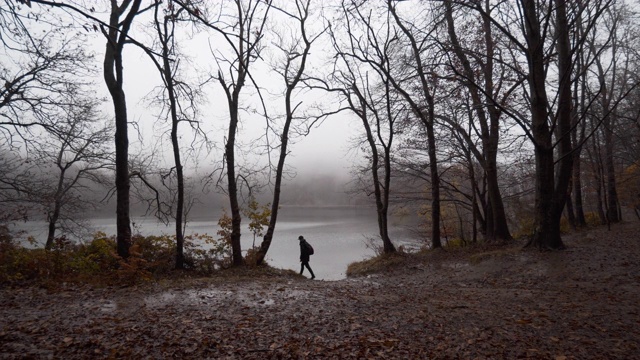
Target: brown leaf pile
581, 303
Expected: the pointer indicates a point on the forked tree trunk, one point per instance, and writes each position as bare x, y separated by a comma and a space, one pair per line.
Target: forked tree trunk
550, 188
381, 189
167, 74
113, 76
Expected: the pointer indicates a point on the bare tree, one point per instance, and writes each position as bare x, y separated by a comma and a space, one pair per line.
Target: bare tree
544, 28
117, 35
423, 106
584, 57
368, 93
179, 101
407, 72
241, 26
78, 152
484, 91
116, 31
44, 74
615, 78
296, 54
37, 68
15, 186
60, 168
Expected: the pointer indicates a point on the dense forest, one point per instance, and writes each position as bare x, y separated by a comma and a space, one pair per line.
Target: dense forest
491, 119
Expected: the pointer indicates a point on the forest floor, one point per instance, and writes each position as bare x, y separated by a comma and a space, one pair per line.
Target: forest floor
507, 302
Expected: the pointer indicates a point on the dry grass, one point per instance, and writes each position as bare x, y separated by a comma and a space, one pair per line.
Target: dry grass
473, 253
376, 264
499, 253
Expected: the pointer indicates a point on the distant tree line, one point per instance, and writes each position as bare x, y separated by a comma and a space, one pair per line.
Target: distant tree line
491, 118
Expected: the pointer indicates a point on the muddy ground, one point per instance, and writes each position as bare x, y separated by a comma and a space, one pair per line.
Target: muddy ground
581, 303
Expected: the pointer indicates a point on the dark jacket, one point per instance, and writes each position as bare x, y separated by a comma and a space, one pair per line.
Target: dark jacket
304, 251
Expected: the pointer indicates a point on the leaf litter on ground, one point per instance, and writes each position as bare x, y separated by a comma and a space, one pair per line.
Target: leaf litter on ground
509, 302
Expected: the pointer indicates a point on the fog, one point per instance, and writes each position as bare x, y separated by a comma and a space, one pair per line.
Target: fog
321, 186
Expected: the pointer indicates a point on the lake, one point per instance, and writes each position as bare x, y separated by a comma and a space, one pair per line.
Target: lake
338, 234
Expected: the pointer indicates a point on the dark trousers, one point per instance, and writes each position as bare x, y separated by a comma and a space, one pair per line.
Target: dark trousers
306, 263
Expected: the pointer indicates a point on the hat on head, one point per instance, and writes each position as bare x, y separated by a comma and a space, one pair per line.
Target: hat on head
300, 237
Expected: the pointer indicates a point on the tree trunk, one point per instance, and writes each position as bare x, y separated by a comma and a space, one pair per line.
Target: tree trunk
564, 117
608, 122
596, 167
577, 191
113, 76
435, 178
173, 107
571, 215
428, 120
578, 138
599, 203
381, 197
474, 198
550, 190
232, 186
544, 234
496, 225
291, 84
613, 215
481, 204
53, 220
498, 216
57, 201
383, 201
275, 205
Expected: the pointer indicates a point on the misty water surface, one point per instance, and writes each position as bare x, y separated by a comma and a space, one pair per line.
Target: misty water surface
338, 235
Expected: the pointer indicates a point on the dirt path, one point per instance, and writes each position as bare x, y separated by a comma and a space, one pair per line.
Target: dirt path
581, 303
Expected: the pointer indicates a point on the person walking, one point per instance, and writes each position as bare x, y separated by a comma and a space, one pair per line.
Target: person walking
305, 251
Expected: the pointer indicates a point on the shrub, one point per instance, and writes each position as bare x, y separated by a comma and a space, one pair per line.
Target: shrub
158, 252
251, 258
18, 264
455, 243
135, 268
206, 254
592, 219
97, 260
565, 227
375, 264
526, 227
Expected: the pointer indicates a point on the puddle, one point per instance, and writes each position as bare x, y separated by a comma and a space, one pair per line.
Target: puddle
244, 297
109, 306
267, 302
455, 265
105, 306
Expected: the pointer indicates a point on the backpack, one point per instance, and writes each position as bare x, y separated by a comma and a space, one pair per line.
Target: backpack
310, 250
